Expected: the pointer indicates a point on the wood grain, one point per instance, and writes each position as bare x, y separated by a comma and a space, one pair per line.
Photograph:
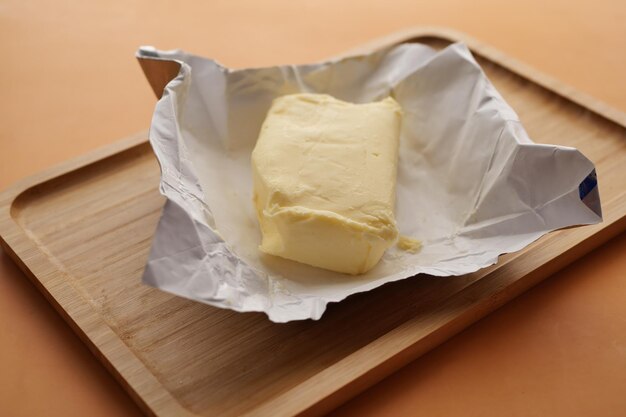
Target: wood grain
82, 232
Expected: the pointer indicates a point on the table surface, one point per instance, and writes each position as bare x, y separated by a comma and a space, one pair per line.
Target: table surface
70, 84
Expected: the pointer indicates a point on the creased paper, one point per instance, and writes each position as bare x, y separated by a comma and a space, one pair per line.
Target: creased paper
471, 184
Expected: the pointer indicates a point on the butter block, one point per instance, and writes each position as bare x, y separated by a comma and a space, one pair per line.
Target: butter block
325, 180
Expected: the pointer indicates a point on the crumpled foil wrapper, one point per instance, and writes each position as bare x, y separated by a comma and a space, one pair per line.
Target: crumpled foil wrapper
471, 184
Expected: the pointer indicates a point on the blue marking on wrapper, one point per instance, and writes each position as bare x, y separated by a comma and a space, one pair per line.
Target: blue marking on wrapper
588, 185
588, 193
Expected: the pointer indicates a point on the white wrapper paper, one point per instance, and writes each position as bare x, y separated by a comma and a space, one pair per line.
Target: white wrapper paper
471, 184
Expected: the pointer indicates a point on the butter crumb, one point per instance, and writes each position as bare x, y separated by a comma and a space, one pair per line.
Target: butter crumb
409, 244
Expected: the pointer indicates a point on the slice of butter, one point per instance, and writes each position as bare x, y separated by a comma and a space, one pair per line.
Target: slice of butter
325, 180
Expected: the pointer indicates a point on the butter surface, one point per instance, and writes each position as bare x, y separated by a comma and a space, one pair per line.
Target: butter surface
324, 180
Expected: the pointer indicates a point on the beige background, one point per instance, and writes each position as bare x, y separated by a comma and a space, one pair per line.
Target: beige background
69, 83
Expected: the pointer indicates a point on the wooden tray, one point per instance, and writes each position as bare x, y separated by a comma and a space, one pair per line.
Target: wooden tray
81, 231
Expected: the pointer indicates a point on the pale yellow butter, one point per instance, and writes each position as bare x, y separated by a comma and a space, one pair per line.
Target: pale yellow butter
408, 244
325, 180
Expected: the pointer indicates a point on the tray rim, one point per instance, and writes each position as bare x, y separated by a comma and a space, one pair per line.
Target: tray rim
309, 397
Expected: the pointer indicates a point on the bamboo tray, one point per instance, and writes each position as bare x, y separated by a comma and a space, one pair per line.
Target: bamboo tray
82, 230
